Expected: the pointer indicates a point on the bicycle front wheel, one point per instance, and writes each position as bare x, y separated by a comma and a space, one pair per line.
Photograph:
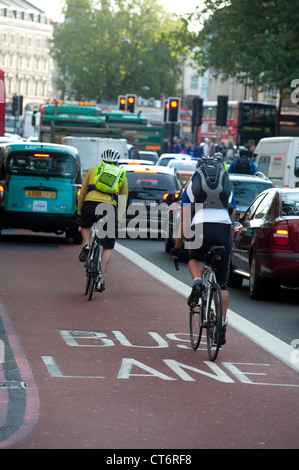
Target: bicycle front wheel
196, 316
214, 321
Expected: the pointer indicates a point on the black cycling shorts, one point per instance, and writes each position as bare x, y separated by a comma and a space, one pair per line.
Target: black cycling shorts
215, 234
88, 218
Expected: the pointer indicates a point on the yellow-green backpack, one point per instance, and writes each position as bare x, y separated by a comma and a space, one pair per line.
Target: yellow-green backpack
109, 178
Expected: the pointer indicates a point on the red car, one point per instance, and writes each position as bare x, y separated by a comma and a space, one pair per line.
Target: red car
266, 243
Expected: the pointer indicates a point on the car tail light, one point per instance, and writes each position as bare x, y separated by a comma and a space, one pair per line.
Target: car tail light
280, 235
171, 196
1, 193
77, 197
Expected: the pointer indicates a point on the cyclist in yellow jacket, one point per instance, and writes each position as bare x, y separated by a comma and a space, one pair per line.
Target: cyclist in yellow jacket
89, 199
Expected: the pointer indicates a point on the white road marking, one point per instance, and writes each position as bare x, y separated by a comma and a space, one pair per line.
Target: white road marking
270, 343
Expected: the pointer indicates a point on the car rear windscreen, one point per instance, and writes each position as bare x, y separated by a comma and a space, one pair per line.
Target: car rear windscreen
140, 180
184, 165
39, 163
245, 192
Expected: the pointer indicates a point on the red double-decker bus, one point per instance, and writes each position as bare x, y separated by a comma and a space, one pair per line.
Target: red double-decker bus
2, 103
245, 120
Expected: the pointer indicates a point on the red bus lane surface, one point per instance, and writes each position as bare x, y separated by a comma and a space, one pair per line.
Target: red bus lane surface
118, 372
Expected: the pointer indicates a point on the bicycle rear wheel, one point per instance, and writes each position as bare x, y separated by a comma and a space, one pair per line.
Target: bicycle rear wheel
214, 321
93, 271
88, 278
196, 316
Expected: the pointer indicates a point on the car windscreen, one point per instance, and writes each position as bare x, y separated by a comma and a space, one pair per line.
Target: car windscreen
150, 180
41, 163
290, 204
148, 156
245, 192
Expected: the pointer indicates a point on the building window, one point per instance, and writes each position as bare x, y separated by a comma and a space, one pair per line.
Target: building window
194, 82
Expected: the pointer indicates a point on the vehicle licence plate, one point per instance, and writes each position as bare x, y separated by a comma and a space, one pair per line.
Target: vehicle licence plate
41, 194
145, 202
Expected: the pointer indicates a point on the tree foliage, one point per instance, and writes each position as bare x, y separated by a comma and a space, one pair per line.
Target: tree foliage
104, 49
251, 40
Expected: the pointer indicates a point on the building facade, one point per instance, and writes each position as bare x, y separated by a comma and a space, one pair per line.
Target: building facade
25, 35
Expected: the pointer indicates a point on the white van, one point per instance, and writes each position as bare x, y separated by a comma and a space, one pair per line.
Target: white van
91, 148
278, 159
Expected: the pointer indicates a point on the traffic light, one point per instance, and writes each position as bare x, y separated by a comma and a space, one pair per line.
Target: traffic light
166, 106
222, 104
17, 105
174, 109
131, 100
196, 113
14, 104
122, 103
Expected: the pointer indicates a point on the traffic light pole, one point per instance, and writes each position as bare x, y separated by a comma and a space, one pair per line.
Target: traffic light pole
171, 136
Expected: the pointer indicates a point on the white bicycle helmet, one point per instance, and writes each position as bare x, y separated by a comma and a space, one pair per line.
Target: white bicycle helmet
110, 156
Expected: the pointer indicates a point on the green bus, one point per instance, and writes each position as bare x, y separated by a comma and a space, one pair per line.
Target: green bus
58, 121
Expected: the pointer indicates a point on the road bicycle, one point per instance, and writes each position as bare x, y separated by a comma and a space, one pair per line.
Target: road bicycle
94, 261
207, 314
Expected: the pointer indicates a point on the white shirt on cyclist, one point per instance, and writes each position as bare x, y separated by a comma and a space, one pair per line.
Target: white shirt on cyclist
207, 214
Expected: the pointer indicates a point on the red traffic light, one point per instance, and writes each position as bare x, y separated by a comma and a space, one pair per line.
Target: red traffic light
131, 99
166, 106
174, 109
122, 103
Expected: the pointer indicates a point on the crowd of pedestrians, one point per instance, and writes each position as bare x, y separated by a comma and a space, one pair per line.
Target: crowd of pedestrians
208, 148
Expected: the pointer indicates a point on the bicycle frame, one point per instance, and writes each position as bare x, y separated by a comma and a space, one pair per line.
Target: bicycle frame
94, 260
208, 313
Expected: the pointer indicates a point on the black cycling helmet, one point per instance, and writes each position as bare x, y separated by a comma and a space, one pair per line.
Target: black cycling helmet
218, 156
244, 152
202, 160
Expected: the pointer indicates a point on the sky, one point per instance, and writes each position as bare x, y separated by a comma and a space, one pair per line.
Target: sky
53, 7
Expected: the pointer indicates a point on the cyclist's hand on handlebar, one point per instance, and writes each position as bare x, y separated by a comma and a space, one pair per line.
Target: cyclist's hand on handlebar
175, 252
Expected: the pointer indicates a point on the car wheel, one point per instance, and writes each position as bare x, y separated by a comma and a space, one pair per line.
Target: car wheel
77, 238
234, 280
257, 288
75, 235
